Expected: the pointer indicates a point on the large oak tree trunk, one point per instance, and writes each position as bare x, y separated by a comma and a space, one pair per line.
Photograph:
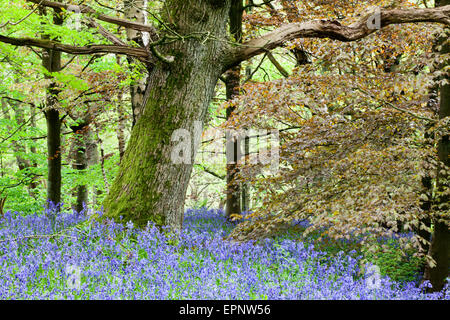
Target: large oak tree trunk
149, 186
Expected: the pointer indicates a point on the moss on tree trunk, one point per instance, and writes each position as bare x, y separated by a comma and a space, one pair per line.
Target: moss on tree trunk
149, 187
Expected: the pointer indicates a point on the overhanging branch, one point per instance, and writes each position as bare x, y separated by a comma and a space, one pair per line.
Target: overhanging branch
90, 49
88, 10
334, 30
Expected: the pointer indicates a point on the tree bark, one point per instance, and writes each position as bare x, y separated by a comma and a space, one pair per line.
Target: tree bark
440, 243
93, 158
149, 186
245, 185
51, 60
34, 182
232, 85
233, 154
121, 121
80, 162
19, 149
121, 127
54, 154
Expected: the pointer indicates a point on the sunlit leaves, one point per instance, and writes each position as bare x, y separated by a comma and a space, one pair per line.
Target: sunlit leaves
350, 163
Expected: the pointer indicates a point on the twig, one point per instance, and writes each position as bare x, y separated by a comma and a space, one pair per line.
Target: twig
102, 162
397, 108
277, 65
39, 236
157, 54
29, 175
23, 19
211, 172
68, 62
15, 131
256, 69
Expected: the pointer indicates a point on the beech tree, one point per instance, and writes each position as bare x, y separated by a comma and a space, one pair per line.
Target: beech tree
354, 161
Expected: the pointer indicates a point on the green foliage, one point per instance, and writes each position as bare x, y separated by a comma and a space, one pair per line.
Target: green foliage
200, 204
395, 262
71, 81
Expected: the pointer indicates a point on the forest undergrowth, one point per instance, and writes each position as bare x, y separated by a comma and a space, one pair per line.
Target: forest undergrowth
73, 256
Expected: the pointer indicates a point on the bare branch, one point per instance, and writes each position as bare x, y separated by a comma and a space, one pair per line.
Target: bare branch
21, 20
218, 176
105, 33
277, 65
250, 76
140, 53
67, 63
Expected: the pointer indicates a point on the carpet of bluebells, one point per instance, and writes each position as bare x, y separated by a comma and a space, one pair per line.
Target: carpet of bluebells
72, 256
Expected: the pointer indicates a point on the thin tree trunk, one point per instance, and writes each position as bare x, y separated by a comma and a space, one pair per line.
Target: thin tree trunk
245, 185
135, 11
425, 222
121, 121
93, 158
232, 85
18, 149
102, 156
233, 154
121, 129
54, 155
440, 243
34, 182
51, 60
80, 162
25, 164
